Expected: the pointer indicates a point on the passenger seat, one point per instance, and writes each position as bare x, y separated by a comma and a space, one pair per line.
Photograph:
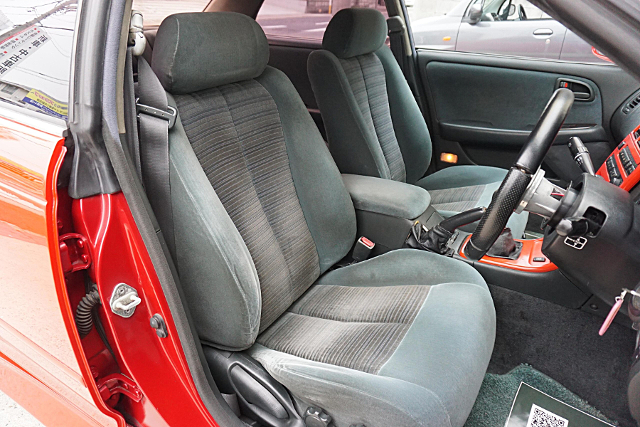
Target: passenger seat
373, 123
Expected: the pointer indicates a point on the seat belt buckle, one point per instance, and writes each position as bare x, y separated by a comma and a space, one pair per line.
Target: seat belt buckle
362, 249
170, 116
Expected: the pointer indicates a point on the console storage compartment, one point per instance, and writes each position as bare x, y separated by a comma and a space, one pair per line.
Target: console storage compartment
386, 209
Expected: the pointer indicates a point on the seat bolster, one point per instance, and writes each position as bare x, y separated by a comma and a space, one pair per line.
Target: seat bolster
459, 352
408, 122
353, 144
351, 396
324, 200
403, 267
218, 275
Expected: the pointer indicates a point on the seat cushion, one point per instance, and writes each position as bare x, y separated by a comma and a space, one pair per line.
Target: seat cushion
460, 188
403, 339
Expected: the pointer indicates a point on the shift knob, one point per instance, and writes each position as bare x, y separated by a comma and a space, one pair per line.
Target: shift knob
581, 155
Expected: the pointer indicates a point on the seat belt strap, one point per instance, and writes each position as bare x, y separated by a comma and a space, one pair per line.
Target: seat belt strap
131, 117
155, 118
396, 40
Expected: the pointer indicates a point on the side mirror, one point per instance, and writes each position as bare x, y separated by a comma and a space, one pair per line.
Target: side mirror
475, 13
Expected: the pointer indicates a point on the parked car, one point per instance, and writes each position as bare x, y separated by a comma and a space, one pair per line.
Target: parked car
505, 27
332, 6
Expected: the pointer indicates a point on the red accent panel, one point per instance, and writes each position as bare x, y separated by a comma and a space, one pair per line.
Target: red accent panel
368, 243
530, 249
157, 365
628, 181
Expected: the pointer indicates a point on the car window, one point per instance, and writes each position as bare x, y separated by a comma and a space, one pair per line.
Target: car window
305, 20
154, 11
503, 27
36, 38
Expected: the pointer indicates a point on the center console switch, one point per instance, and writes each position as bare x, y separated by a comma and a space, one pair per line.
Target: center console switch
386, 210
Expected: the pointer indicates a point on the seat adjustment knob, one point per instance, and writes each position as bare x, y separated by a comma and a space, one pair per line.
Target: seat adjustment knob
316, 417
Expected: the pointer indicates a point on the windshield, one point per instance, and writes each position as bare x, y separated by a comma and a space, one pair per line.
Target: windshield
36, 38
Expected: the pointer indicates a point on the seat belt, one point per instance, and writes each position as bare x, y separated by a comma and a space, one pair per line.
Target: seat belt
397, 38
155, 118
131, 117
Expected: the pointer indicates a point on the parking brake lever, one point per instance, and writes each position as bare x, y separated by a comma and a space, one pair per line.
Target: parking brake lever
581, 155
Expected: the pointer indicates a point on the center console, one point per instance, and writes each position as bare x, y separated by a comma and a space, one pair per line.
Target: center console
386, 210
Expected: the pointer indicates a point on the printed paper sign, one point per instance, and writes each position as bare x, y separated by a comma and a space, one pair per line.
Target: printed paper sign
20, 46
46, 103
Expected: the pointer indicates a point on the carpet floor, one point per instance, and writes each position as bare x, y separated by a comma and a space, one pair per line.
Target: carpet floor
498, 392
564, 345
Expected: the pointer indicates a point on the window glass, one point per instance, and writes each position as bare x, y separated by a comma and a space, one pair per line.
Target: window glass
154, 11
305, 20
36, 38
502, 27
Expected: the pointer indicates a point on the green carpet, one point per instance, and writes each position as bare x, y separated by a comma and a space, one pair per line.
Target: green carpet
498, 392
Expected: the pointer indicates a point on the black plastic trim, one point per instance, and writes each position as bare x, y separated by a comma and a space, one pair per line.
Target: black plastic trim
485, 135
259, 393
91, 171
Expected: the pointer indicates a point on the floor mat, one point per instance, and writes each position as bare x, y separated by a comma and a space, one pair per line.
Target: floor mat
564, 344
498, 392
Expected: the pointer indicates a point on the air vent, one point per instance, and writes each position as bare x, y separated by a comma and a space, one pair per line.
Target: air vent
631, 105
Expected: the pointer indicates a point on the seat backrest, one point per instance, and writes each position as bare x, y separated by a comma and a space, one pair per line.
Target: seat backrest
259, 207
373, 123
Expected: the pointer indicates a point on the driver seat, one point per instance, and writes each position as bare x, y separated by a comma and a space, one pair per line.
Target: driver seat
261, 217
374, 125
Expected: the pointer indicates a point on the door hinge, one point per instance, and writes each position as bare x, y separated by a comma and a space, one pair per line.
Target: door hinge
74, 252
118, 384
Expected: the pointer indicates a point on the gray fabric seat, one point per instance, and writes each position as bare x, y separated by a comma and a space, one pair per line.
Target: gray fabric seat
261, 215
374, 125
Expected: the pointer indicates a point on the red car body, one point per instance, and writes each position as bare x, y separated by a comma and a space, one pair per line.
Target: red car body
44, 366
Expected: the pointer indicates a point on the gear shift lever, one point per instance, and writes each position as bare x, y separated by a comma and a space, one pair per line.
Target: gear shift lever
581, 155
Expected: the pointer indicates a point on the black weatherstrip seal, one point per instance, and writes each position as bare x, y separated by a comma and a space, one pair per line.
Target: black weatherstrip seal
91, 171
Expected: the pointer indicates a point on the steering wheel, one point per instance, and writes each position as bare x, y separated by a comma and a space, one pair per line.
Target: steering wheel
514, 185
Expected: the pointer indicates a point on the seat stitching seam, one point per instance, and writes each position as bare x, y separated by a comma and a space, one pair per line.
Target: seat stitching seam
175, 51
373, 121
355, 111
289, 165
253, 181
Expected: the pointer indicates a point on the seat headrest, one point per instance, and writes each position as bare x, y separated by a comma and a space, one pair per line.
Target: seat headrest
355, 31
196, 51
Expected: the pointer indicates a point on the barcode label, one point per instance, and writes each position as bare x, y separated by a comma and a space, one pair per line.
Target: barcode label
540, 417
